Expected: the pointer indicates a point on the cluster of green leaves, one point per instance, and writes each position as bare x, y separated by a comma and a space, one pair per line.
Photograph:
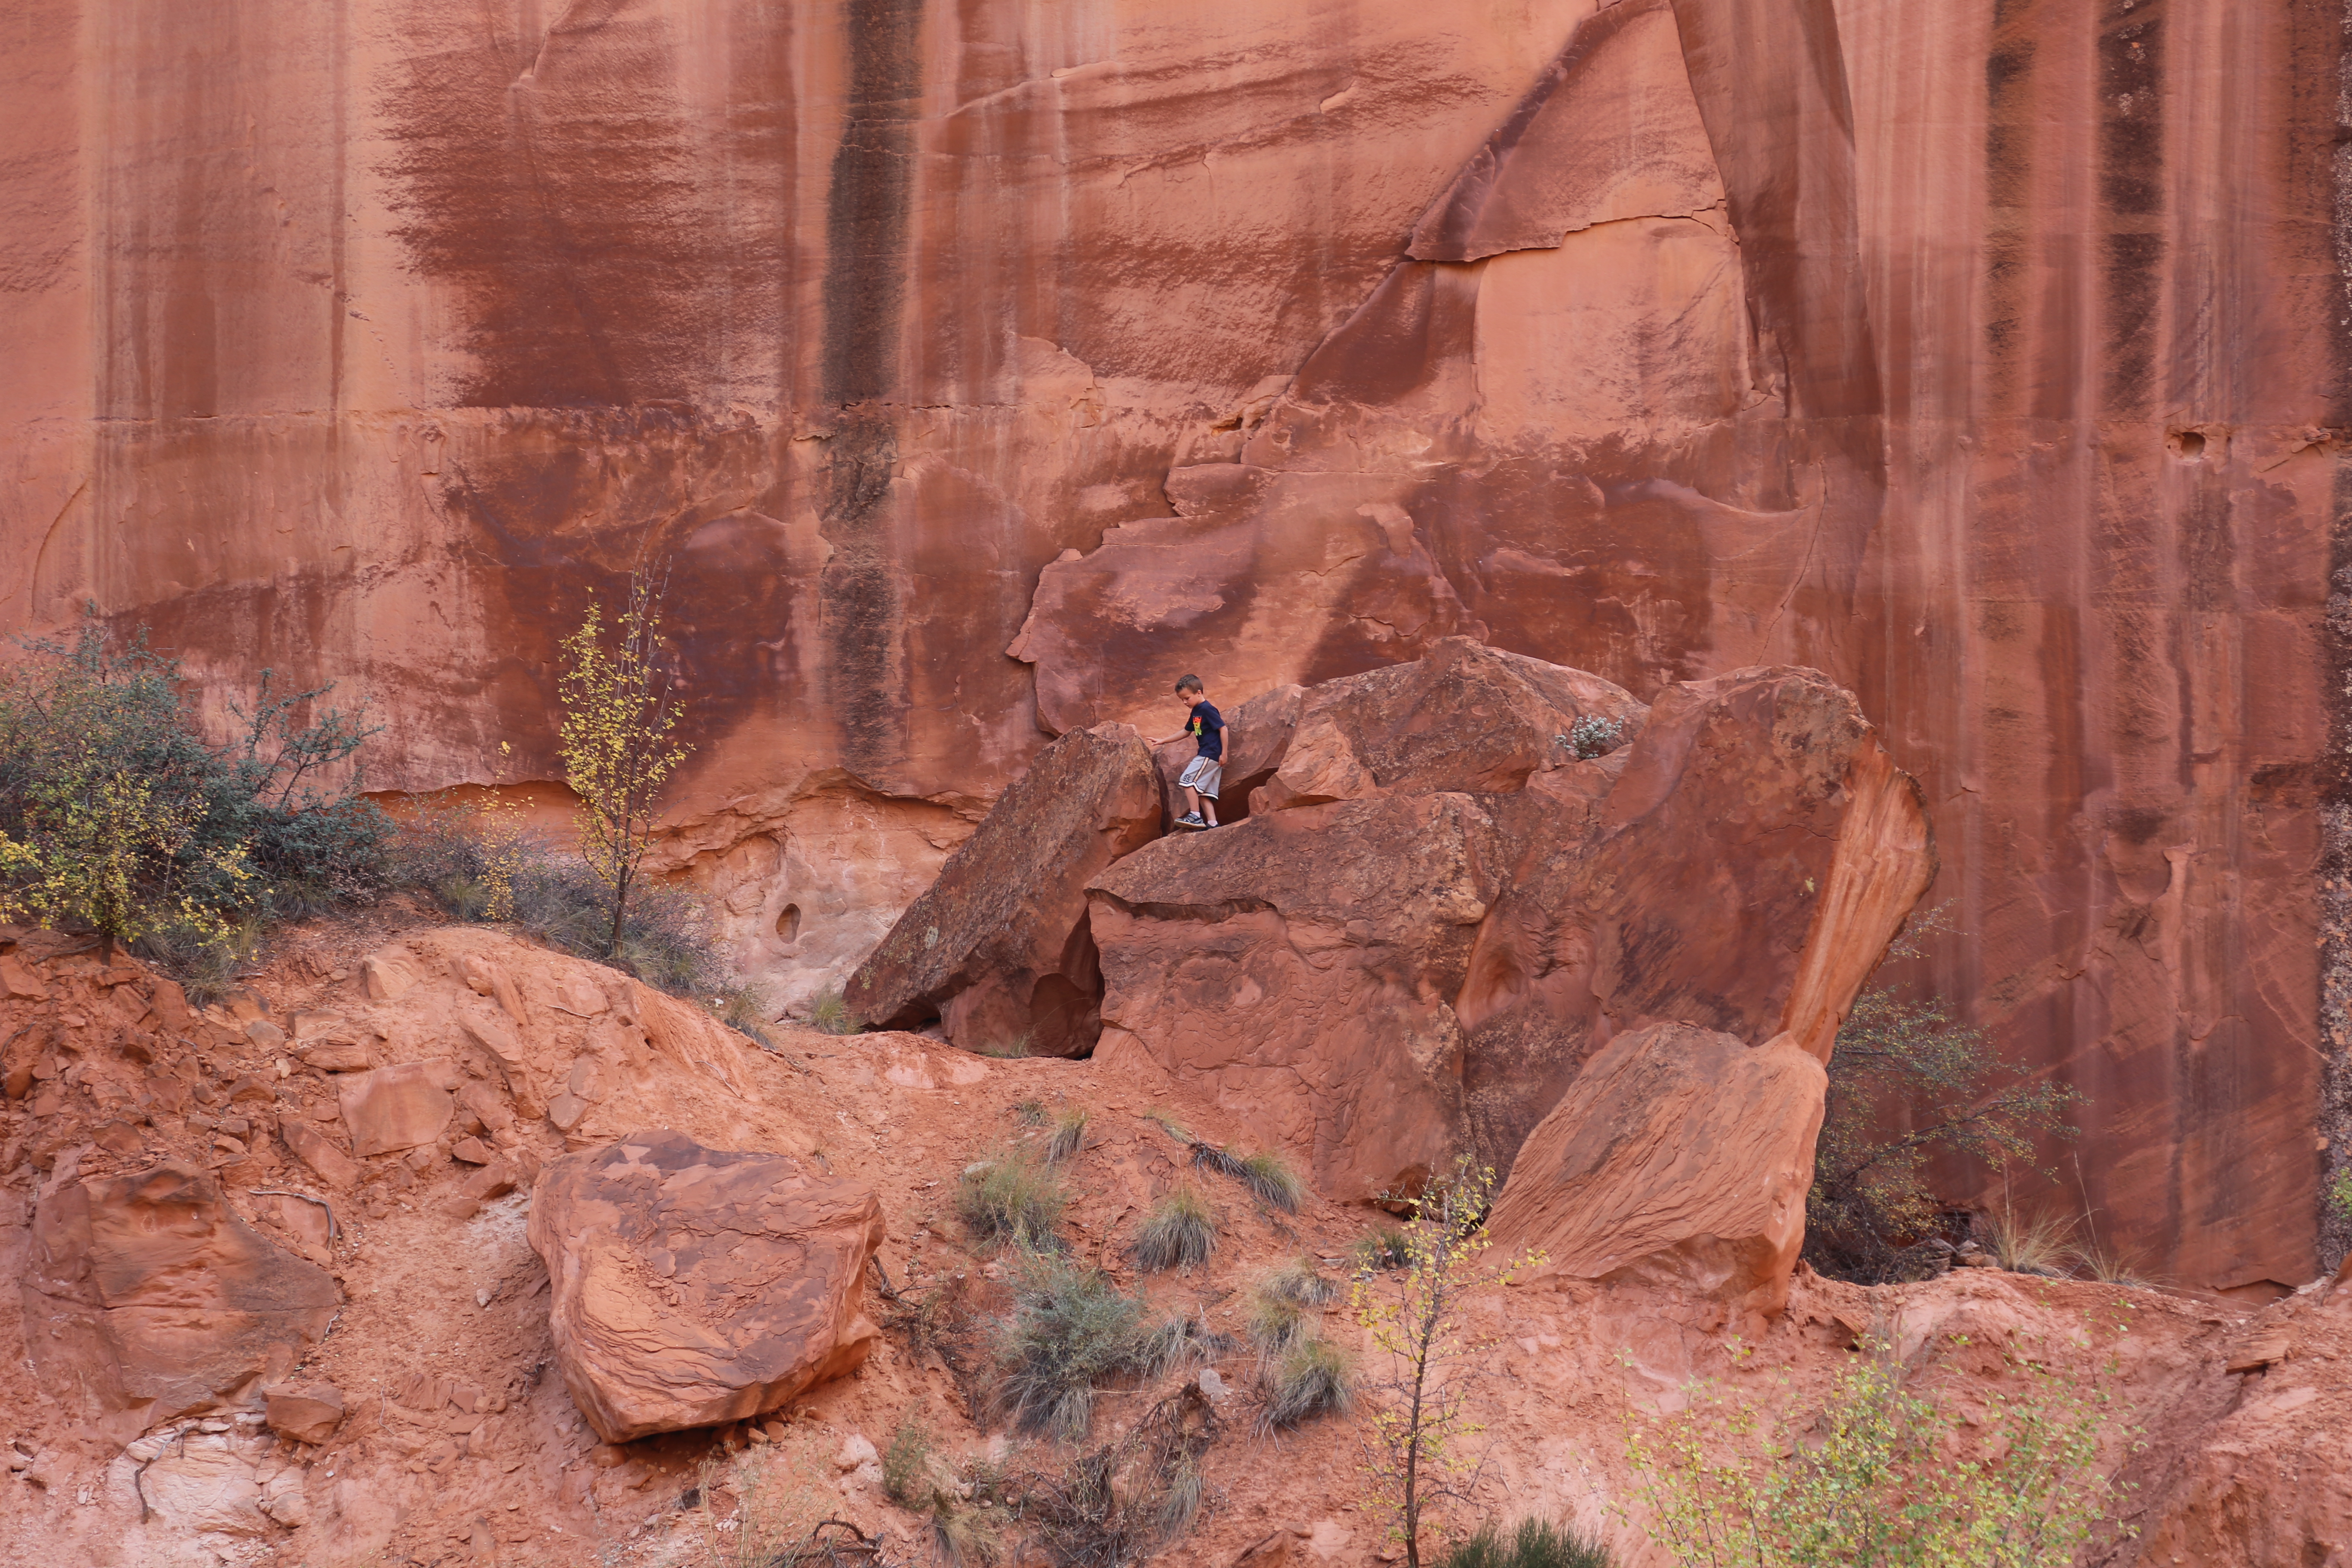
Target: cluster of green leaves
1883, 1474
116, 815
1531, 1543
2341, 1193
1910, 1063
1418, 1450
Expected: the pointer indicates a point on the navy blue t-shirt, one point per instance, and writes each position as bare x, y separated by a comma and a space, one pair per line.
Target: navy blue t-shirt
1207, 726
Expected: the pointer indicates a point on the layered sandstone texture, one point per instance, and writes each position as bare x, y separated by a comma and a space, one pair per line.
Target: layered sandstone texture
151, 1298
693, 1287
1982, 355
1437, 910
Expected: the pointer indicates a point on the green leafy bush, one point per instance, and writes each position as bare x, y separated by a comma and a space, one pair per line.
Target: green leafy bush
1532, 1543
116, 815
1883, 1473
1870, 1199
1010, 1200
1180, 1233
1070, 1329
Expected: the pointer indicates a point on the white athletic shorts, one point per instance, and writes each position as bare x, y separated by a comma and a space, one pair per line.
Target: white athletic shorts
1205, 775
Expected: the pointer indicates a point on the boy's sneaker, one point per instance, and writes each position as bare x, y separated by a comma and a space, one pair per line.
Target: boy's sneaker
1190, 819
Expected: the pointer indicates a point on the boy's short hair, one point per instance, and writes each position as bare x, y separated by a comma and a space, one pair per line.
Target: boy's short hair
1190, 683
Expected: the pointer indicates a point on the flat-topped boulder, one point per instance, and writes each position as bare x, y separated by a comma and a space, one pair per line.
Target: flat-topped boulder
693, 1285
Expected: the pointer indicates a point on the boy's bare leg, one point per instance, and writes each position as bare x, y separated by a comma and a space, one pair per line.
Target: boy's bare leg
1191, 801
1208, 811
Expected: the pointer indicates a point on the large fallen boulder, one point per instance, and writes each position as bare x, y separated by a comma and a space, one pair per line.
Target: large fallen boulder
1376, 985
146, 1296
999, 948
695, 1285
1679, 1156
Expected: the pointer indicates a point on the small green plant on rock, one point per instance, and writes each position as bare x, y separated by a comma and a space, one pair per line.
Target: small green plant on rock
1265, 1173
1180, 1233
1531, 1543
906, 1467
2341, 1194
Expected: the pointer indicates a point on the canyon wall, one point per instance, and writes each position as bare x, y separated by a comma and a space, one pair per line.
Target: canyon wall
1982, 353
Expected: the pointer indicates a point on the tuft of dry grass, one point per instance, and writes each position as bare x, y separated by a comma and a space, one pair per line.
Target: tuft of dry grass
1308, 1379
2041, 1244
1010, 1200
1180, 1233
1069, 1136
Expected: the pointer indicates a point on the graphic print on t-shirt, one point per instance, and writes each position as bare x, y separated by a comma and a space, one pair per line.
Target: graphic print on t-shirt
1207, 726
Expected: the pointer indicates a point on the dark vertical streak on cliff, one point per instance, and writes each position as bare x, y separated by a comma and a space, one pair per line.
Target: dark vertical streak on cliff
2009, 174
2131, 198
868, 209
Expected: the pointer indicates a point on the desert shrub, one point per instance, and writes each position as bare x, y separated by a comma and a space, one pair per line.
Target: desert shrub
1310, 1377
1010, 1201
1014, 1048
1267, 1174
209, 961
480, 864
1180, 1232
1070, 1329
1181, 1341
1593, 736
1532, 1543
116, 815
1121, 1503
1870, 1198
1385, 1249
965, 1537
1300, 1281
829, 1015
783, 1493
1273, 1179
1170, 1125
1883, 1472
1069, 1136
906, 1466
2341, 1194
2038, 1243
1273, 1321
620, 710
746, 1009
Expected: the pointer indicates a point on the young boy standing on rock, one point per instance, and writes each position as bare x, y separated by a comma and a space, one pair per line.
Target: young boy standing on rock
1206, 771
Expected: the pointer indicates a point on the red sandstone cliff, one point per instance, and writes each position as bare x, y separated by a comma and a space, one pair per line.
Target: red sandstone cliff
1980, 354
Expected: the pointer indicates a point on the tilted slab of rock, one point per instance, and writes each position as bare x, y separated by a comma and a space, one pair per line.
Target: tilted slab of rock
1377, 981
693, 1285
999, 947
1679, 1156
147, 1295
